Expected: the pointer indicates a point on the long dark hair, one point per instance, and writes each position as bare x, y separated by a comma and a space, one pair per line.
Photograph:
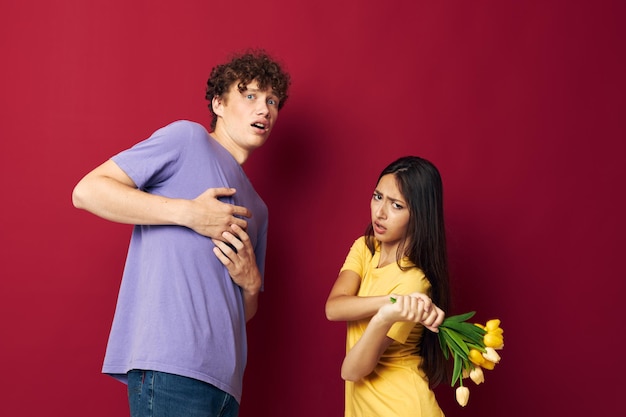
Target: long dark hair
424, 244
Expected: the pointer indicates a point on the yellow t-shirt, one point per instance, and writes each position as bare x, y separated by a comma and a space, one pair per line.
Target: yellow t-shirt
396, 387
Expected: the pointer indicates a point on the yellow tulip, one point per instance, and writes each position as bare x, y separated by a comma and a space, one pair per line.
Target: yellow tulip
476, 357
477, 375
499, 331
462, 396
488, 365
492, 325
493, 341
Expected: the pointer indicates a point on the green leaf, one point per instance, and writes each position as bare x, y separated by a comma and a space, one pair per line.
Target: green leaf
443, 344
452, 342
459, 341
457, 370
467, 331
477, 347
460, 317
465, 328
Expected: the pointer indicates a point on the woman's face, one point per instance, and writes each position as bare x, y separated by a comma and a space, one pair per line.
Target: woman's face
390, 214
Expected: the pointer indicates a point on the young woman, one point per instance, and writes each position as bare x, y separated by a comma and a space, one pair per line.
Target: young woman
393, 291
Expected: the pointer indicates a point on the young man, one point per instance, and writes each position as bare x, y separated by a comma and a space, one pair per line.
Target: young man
195, 263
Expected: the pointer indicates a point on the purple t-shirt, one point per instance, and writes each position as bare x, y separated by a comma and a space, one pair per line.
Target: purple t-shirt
178, 311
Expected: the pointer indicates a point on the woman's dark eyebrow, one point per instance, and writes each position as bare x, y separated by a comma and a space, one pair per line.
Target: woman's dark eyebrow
394, 200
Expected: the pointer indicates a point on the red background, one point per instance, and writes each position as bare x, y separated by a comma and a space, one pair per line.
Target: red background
520, 105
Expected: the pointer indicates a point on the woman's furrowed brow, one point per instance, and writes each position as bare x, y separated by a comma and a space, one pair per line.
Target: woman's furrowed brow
393, 200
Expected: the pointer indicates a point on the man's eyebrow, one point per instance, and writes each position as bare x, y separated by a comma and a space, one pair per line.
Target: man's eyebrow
256, 90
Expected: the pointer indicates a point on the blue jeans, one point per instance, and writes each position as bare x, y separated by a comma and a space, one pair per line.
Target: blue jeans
159, 394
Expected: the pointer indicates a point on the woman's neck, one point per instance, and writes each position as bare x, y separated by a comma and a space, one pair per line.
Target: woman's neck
387, 254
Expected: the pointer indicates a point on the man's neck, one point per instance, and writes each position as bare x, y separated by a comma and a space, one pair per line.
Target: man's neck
240, 154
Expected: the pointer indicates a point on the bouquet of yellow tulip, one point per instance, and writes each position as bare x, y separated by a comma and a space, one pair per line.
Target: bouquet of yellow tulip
473, 348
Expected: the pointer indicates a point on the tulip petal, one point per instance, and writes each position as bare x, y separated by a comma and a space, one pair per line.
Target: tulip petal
476, 357
477, 375
491, 355
492, 340
462, 396
492, 324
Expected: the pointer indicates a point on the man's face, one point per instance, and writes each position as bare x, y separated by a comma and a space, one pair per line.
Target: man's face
245, 119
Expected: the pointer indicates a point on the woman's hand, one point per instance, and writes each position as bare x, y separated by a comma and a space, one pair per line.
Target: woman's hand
415, 307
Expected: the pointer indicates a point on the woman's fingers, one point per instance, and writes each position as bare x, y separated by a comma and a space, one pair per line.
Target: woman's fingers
418, 309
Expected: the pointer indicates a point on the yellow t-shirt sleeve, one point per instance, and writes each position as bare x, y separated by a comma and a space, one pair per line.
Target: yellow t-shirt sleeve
357, 257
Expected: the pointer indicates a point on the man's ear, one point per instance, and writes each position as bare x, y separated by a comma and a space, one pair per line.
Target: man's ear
218, 105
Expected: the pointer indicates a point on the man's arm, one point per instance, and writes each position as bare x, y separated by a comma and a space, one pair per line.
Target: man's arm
110, 193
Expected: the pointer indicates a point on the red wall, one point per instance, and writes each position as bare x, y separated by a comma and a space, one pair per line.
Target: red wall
520, 104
